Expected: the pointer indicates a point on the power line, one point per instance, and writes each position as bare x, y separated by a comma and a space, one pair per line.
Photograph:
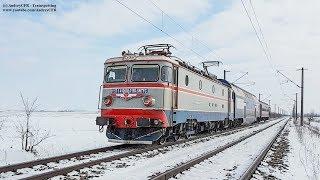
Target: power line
288, 78
161, 30
265, 49
240, 77
258, 23
183, 29
255, 31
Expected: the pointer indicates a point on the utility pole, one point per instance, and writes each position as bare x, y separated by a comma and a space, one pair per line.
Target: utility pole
296, 109
224, 74
259, 96
269, 109
302, 84
301, 87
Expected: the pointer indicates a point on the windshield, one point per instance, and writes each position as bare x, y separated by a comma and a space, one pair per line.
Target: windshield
166, 73
145, 73
116, 74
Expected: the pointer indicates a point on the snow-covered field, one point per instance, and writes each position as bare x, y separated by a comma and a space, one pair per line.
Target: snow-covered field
69, 131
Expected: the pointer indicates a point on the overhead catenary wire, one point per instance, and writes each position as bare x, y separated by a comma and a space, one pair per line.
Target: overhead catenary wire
185, 30
240, 77
267, 48
161, 30
259, 26
262, 42
193, 38
256, 32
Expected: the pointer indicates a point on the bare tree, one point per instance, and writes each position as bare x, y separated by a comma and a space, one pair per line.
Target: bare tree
29, 135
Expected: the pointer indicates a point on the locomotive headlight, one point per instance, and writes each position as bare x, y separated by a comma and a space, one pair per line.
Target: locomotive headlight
108, 100
148, 101
156, 122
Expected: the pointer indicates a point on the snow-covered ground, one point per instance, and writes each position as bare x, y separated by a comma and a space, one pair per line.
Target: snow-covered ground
145, 165
296, 155
316, 123
70, 132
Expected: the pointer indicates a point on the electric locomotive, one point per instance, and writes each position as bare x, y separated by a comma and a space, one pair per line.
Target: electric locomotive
152, 96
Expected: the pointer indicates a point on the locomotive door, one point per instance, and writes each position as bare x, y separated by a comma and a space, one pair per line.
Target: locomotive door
234, 105
260, 109
255, 111
229, 103
174, 94
245, 110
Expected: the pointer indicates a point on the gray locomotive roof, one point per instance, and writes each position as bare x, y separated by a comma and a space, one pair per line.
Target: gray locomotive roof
136, 57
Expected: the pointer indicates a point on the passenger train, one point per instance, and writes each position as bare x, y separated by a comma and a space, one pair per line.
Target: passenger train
152, 96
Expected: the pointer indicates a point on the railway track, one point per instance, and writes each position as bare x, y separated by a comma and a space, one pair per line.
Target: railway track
247, 175
252, 168
29, 164
57, 159
66, 170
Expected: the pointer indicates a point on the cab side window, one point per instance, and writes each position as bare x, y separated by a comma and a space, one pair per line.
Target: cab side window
166, 74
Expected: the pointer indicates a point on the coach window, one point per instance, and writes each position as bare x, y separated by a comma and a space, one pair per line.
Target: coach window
222, 92
200, 84
166, 74
145, 73
186, 80
116, 74
213, 89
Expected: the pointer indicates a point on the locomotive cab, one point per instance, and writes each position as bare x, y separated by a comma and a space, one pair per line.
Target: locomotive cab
137, 98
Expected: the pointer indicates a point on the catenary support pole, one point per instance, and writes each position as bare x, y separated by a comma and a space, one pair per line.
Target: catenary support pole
296, 105
225, 74
302, 83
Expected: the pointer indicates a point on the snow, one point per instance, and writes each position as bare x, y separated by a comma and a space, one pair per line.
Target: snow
76, 131
316, 123
70, 132
301, 161
145, 165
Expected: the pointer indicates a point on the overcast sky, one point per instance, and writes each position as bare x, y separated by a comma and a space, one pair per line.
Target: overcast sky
58, 57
